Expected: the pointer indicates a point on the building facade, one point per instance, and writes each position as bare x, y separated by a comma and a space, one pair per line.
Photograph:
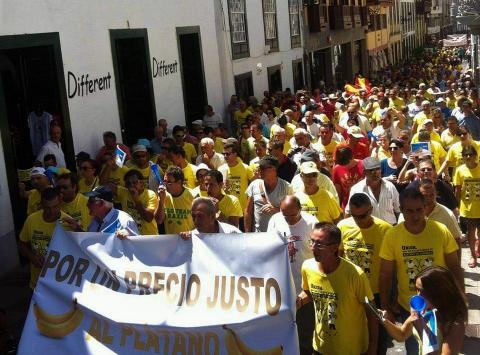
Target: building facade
335, 42
378, 35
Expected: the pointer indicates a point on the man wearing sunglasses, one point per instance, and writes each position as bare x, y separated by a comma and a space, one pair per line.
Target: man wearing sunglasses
338, 290
179, 134
362, 236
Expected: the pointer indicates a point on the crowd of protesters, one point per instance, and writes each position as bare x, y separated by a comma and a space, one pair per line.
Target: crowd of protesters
374, 191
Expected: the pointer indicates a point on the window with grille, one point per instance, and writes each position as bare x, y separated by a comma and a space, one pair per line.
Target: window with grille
238, 28
293, 12
270, 24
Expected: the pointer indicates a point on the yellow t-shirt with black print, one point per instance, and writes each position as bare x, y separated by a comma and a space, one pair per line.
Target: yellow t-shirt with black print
469, 180
361, 246
338, 298
322, 204
34, 203
178, 212
78, 210
38, 233
149, 200
230, 206
236, 180
412, 253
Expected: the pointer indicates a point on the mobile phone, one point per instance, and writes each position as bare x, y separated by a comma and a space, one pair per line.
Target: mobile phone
374, 309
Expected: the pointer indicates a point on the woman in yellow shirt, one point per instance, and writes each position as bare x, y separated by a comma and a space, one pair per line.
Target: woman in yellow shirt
467, 192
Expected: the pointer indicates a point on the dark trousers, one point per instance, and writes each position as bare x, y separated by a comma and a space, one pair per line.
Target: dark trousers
411, 344
383, 338
305, 320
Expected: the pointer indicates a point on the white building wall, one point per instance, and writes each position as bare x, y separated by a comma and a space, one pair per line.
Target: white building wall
85, 42
83, 27
256, 38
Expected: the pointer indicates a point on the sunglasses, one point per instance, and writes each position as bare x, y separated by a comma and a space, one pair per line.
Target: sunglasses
227, 154
179, 136
393, 148
85, 168
468, 155
426, 169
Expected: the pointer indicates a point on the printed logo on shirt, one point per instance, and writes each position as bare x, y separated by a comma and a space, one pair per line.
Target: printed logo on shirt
415, 261
233, 185
40, 243
472, 189
175, 215
292, 250
326, 303
359, 253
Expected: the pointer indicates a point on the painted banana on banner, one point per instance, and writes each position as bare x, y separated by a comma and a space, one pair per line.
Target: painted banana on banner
236, 346
58, 325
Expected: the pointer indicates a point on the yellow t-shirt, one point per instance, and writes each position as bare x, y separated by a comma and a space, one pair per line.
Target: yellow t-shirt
149, 200
362, 246
190, 152
414, 252
218, 145
380, 153
338, 298
38, 233
448, 139
451, 103
84, 187
34, 203
377, 115
454, 154
286, 147
116, 176
321, 204
326, 151
434, 136
397, 102
230, 206
78, 210
420, 118
189, 174
469, 179
236, 181
178, 213
241, 116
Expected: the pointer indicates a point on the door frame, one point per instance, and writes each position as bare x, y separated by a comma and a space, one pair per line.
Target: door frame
186, 31
125, 34
25, 41
271, 69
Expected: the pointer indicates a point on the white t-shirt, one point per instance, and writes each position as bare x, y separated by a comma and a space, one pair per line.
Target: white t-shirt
298, 239
222, 228
212, 121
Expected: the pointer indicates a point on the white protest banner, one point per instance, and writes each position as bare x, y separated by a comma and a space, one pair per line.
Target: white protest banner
215, 294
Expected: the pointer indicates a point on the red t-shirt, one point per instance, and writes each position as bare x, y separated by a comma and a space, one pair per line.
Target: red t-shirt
345, 178
360, 150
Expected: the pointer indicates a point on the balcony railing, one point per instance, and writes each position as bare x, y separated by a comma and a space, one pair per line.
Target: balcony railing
356, 16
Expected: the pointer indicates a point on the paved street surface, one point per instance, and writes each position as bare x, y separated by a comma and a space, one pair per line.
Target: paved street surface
15, 294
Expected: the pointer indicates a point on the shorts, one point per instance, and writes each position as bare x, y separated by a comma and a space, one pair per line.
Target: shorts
470, 222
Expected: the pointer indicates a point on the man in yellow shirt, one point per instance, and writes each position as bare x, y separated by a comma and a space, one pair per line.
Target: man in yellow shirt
410, 247
314, 200
326, 145
175, 207
40, 182
338, 290
236, 174
178, 134
138, 201
241, 114
229, 208
38, 230
421, 116
362, 236
178, 157
74, 204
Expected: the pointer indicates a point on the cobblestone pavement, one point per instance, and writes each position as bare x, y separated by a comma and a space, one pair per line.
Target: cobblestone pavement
15, 295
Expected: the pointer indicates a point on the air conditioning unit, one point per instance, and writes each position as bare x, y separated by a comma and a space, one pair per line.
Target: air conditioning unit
266, 49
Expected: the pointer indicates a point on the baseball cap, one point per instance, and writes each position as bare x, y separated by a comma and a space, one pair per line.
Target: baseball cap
197, 123
439, 100
309, 155
428, 120
202, 166
138, 148
355, 131
381, 94
38, 171
371, 163
425, 102
101, 192
332, 97
308, 167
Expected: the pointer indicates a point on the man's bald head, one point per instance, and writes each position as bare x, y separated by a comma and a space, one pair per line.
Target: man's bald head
291, 209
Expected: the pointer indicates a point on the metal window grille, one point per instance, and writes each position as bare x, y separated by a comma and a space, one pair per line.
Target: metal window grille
294, 18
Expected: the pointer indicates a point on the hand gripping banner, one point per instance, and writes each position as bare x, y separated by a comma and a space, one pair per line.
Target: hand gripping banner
229, 294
